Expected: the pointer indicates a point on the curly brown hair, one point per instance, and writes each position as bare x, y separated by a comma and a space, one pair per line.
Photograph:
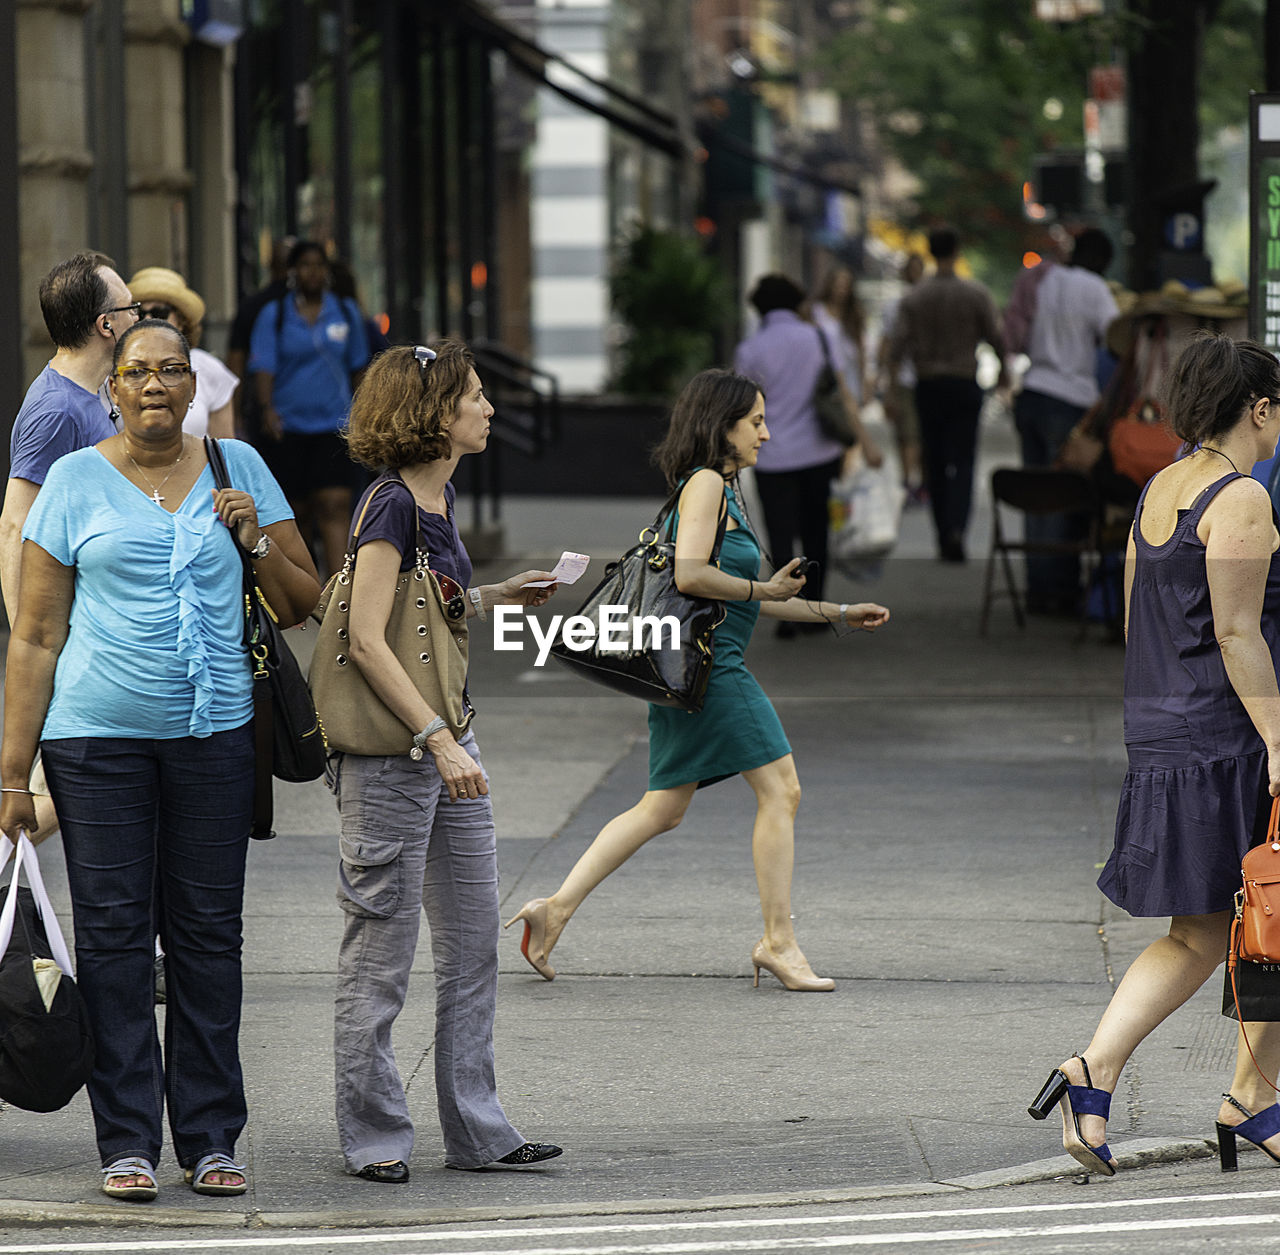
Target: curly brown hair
400, 411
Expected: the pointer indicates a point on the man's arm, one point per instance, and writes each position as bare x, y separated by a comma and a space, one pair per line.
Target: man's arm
19, 496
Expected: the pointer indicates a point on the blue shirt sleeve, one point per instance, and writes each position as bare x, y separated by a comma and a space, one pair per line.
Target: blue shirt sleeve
262, 343
357, 340
50, 523
249, 473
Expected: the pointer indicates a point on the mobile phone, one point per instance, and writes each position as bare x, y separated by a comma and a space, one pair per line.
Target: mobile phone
804, 568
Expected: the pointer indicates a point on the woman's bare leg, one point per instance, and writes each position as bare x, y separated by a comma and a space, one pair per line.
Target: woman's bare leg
658, 811
773, 843
1160, 980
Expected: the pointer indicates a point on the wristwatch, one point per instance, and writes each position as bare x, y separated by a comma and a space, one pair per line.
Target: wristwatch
262, 548
477, 600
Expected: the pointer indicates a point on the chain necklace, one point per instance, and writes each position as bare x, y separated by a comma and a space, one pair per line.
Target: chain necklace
155, 488
1219, 452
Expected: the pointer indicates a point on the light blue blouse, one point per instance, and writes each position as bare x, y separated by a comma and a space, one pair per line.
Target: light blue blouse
155, 648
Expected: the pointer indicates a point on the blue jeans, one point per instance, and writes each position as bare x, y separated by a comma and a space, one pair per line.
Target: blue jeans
1044, 423
155, 834
406, 848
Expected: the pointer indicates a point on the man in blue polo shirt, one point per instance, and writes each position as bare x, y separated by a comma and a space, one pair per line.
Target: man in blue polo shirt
306, 351
86, 305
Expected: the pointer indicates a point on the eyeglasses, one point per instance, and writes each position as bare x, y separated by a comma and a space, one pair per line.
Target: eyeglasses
135, 309
455, 600
159, 310
171, 376
423, 356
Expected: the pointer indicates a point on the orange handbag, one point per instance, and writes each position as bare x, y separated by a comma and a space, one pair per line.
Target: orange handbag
1141, 443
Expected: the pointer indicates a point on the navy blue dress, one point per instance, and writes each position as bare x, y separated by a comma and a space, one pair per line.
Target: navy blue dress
1195, 796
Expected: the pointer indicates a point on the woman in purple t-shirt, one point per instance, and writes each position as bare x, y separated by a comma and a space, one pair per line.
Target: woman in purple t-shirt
417, 829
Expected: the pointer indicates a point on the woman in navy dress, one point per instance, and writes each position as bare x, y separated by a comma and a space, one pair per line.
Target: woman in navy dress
1202, 730
717, 428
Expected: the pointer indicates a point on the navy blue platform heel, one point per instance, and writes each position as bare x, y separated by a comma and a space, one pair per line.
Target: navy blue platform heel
1077, 1101
1255, 1129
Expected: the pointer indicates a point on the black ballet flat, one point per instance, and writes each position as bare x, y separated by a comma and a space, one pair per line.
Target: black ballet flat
394, 1173
531, 1152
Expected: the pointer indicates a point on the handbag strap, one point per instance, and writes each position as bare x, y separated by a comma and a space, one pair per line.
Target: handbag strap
826, 348
667, 515
1237, 942
53, 931
263, 714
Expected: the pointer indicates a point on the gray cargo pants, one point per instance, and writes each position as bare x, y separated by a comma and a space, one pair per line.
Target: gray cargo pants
405, 847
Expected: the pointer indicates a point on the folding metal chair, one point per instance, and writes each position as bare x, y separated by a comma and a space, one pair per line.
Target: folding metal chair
1036, 491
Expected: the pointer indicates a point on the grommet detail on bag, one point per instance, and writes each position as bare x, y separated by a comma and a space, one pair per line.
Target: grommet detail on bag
424, 657
419, 576
421, 603
341, 660
422, 629
462, 640
342, 606
344, 578
342, 634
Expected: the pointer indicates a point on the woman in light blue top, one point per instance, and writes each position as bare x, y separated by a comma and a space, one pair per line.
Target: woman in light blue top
127, 667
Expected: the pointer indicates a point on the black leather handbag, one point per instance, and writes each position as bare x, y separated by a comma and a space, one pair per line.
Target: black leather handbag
642, 582
289, 741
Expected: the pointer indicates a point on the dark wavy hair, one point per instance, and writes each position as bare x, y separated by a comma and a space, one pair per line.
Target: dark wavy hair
698, 434
150, 324
399, 409
1213, 379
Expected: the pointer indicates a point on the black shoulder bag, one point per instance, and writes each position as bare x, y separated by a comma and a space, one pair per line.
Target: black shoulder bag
288, 739
828, 400
642, 583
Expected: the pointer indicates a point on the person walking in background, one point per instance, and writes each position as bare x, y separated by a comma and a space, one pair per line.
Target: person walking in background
939, 325
417, 828
164, 294
717, 429
127, 666
836, 311
86, 306
344, 288
245, 401
1202, 730
793, 476
897, 390
1073, 309
307, 352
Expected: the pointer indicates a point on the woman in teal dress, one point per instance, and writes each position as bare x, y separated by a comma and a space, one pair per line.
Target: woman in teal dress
717, 428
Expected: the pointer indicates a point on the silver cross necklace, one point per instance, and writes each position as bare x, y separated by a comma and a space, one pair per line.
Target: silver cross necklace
155, 488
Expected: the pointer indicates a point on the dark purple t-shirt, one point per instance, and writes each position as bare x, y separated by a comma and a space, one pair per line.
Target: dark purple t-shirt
390, 518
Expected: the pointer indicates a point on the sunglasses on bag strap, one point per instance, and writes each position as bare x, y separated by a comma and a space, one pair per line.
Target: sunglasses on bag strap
455, 599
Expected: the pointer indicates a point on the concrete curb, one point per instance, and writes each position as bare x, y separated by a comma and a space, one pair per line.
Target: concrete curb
1141, 1153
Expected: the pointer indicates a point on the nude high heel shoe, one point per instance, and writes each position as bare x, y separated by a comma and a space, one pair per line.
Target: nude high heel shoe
791, 977
534, 944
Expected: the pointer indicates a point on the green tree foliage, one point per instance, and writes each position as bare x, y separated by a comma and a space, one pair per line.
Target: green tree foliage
958, 90
671, 298
1232, 65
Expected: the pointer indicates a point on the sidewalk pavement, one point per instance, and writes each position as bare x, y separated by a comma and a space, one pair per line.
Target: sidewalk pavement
959, 796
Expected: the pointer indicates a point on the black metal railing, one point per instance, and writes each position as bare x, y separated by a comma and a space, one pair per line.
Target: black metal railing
526, 416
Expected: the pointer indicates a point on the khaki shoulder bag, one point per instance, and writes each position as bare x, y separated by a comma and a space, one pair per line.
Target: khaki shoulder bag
427, 633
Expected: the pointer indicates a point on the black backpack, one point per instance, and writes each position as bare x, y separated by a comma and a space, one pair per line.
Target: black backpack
46, 1052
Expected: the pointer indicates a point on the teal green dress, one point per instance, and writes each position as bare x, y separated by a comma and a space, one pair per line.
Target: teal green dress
737, 728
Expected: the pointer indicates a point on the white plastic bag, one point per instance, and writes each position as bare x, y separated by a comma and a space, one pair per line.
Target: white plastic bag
866, 507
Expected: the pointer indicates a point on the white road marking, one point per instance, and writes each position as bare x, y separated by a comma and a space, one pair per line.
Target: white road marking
489, 1233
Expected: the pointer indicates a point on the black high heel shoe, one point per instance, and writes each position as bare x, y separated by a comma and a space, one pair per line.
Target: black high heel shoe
1077, 1101
1255, 1129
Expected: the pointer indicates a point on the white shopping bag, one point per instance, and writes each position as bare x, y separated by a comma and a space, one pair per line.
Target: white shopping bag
866, 508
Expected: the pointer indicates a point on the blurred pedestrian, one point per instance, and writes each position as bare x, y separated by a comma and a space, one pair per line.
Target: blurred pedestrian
784, 358
837, 312
307, 352
345, 289
86, 306
127, 666
939, 325
897, 390
717, 430
1202, 731
244, 401
164, 294
1073, 309
417, 828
